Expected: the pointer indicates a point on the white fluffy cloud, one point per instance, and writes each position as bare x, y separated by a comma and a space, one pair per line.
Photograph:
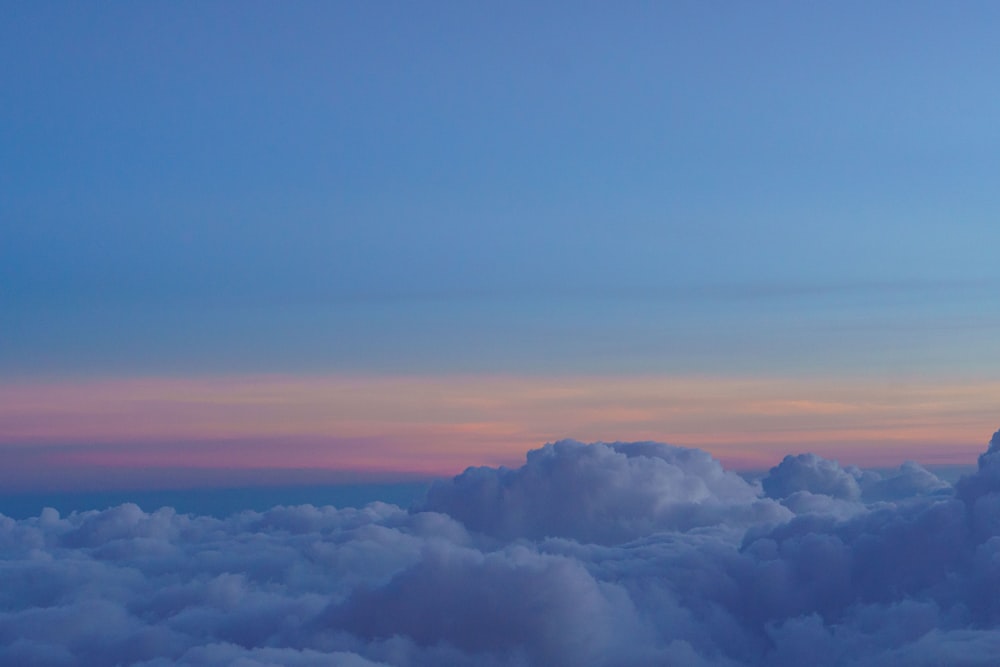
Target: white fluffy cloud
620, 554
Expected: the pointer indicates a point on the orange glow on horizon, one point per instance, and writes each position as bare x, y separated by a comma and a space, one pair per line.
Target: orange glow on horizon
440, 425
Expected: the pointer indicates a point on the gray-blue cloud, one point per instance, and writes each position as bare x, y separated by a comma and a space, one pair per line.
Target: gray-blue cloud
601, 554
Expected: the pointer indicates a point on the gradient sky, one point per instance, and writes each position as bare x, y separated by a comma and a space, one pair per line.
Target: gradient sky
418, 236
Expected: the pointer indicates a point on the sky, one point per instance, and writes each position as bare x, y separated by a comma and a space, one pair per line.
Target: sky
354, 241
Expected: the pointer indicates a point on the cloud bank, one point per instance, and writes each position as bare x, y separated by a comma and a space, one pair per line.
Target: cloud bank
599, 554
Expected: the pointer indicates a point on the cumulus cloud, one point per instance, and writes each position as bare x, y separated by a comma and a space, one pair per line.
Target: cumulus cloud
602, 493
809, 484
601, 554
908, 480
808, 472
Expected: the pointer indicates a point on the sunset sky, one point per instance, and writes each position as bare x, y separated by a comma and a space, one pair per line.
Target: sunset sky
285, 242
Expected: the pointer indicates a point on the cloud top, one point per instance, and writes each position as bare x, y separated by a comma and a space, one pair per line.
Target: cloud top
600, 492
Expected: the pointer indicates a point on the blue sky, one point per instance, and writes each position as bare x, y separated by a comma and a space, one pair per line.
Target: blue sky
349, 167
797, 190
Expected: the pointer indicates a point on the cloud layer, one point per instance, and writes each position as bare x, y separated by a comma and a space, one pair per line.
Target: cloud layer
600, 554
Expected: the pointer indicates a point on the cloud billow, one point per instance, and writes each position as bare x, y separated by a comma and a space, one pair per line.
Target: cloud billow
599, 554
602, 493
